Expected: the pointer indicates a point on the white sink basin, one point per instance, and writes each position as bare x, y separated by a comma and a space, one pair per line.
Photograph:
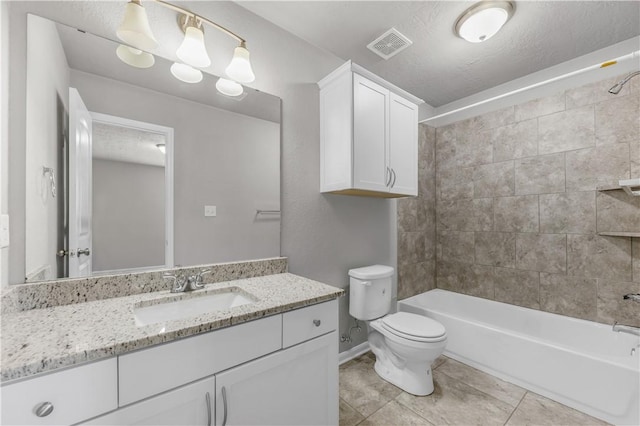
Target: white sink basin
188, 307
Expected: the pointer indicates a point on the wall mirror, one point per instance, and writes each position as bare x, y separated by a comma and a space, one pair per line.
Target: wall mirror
129, 169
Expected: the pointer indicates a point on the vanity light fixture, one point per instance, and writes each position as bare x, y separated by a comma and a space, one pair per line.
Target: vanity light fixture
135, 57
136, 32
229, 87
162, 147
483, 20
186, 73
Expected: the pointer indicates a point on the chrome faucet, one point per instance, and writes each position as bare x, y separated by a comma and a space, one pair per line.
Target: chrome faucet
631, 296
620, 328
182, 283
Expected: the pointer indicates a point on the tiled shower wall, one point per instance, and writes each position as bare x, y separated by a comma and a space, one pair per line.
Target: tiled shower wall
417, 224
518, 211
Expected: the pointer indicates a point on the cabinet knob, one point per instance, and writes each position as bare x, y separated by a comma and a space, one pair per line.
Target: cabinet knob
43, 409
316, 322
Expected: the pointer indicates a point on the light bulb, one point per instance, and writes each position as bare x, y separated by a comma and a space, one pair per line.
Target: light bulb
229, 87
186, 73
134, 29
135, 57
192, 51
240, 67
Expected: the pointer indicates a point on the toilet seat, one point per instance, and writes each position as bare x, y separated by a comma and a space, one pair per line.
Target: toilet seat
414, 327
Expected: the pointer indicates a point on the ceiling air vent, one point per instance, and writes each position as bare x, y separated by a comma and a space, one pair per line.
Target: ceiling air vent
389, 44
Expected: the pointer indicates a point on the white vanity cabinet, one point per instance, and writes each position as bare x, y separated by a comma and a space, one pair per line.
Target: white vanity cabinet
368, 135
264, 381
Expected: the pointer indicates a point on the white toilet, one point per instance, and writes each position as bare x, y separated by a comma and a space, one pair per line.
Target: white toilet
405, 345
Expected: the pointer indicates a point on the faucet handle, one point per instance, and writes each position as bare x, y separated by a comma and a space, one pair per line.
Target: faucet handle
179, 282
200, 274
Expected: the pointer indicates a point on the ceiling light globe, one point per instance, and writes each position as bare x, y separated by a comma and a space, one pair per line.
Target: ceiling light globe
229, 87
240, 67
483, 20
192, 51
186, 73
134, 29
135, 57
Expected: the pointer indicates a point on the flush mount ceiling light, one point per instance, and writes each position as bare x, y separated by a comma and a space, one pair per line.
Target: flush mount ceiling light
483, 20
186, 73
135, 57
136, 32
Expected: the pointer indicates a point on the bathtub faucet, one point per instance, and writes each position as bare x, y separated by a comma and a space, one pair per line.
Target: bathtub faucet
620, 328
632, 296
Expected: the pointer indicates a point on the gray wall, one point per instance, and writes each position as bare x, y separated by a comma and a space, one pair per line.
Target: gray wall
417, 224
220, 158
323, 235
128, 228
518, 213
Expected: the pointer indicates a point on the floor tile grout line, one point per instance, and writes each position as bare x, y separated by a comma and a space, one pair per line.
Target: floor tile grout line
353, 408
516, 408
413, 411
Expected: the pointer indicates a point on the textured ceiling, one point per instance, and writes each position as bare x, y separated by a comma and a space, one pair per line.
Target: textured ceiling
440, 67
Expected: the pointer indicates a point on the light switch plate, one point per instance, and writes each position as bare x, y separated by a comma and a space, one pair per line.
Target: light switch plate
210, 211
4, 231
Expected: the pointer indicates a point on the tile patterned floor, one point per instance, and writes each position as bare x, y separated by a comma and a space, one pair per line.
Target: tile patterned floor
462, 396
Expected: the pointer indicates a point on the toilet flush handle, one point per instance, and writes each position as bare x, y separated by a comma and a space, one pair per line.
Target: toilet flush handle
366, 282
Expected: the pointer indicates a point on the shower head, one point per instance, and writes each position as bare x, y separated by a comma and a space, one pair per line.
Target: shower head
618, 86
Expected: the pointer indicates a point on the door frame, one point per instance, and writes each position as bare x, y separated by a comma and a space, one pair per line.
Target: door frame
168, 179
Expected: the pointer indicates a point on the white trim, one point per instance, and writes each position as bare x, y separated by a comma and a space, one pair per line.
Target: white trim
354, 352
168, 174
128, 270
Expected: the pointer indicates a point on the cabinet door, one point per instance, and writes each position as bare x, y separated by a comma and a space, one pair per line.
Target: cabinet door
297, 386
370, 135
186, 405
403, 145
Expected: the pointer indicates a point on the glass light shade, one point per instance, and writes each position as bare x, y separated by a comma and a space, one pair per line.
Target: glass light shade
192, 51
135, 57
483, 20
135, 29
186, 73
229, 87
240, 67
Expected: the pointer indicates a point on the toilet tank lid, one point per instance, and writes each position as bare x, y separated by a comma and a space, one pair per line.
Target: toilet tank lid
371, 272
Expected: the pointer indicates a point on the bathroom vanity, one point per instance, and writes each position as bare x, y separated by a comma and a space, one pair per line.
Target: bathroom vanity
272, 361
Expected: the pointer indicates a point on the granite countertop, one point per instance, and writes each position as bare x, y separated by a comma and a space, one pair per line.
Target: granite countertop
41, 340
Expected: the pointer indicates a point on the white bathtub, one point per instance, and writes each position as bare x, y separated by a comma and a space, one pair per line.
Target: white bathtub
582, 364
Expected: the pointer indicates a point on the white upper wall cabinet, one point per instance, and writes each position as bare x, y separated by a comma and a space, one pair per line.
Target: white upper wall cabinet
368, 135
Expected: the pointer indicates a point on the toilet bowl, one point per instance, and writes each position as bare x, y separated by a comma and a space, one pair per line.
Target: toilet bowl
405, 344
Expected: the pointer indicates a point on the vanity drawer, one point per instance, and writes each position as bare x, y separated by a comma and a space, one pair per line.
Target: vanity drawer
307, 323
157, 369
76, 394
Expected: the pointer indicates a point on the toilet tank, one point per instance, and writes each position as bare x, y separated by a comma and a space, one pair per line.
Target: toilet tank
370, 292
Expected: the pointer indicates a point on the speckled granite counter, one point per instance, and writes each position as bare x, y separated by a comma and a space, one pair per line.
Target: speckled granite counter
40, 340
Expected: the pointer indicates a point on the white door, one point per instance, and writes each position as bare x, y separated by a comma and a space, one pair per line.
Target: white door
188, 405
403, 146
297, 386
79, 186
370, 135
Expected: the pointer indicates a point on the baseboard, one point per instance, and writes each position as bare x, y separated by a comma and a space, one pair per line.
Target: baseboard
354, 352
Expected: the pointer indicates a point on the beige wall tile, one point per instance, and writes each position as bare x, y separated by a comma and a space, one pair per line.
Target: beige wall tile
602, 165
495, 249
540, 107
618, 120
568, 295
612, 307
515, 140
540, 175
474, 280
455, 184
426, 216
493, 180
407, 214
517, 287
571, 213
516, 214
566, 130
597, 256
457, 246
465, 215
597, 92
465, 149
618, 212
411, 247
634, 155
415, 278
542, 252
636, 258
493, 119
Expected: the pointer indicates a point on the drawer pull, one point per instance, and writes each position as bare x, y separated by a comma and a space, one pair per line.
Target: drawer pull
224, 404
43, 409
316, 323
208, 398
